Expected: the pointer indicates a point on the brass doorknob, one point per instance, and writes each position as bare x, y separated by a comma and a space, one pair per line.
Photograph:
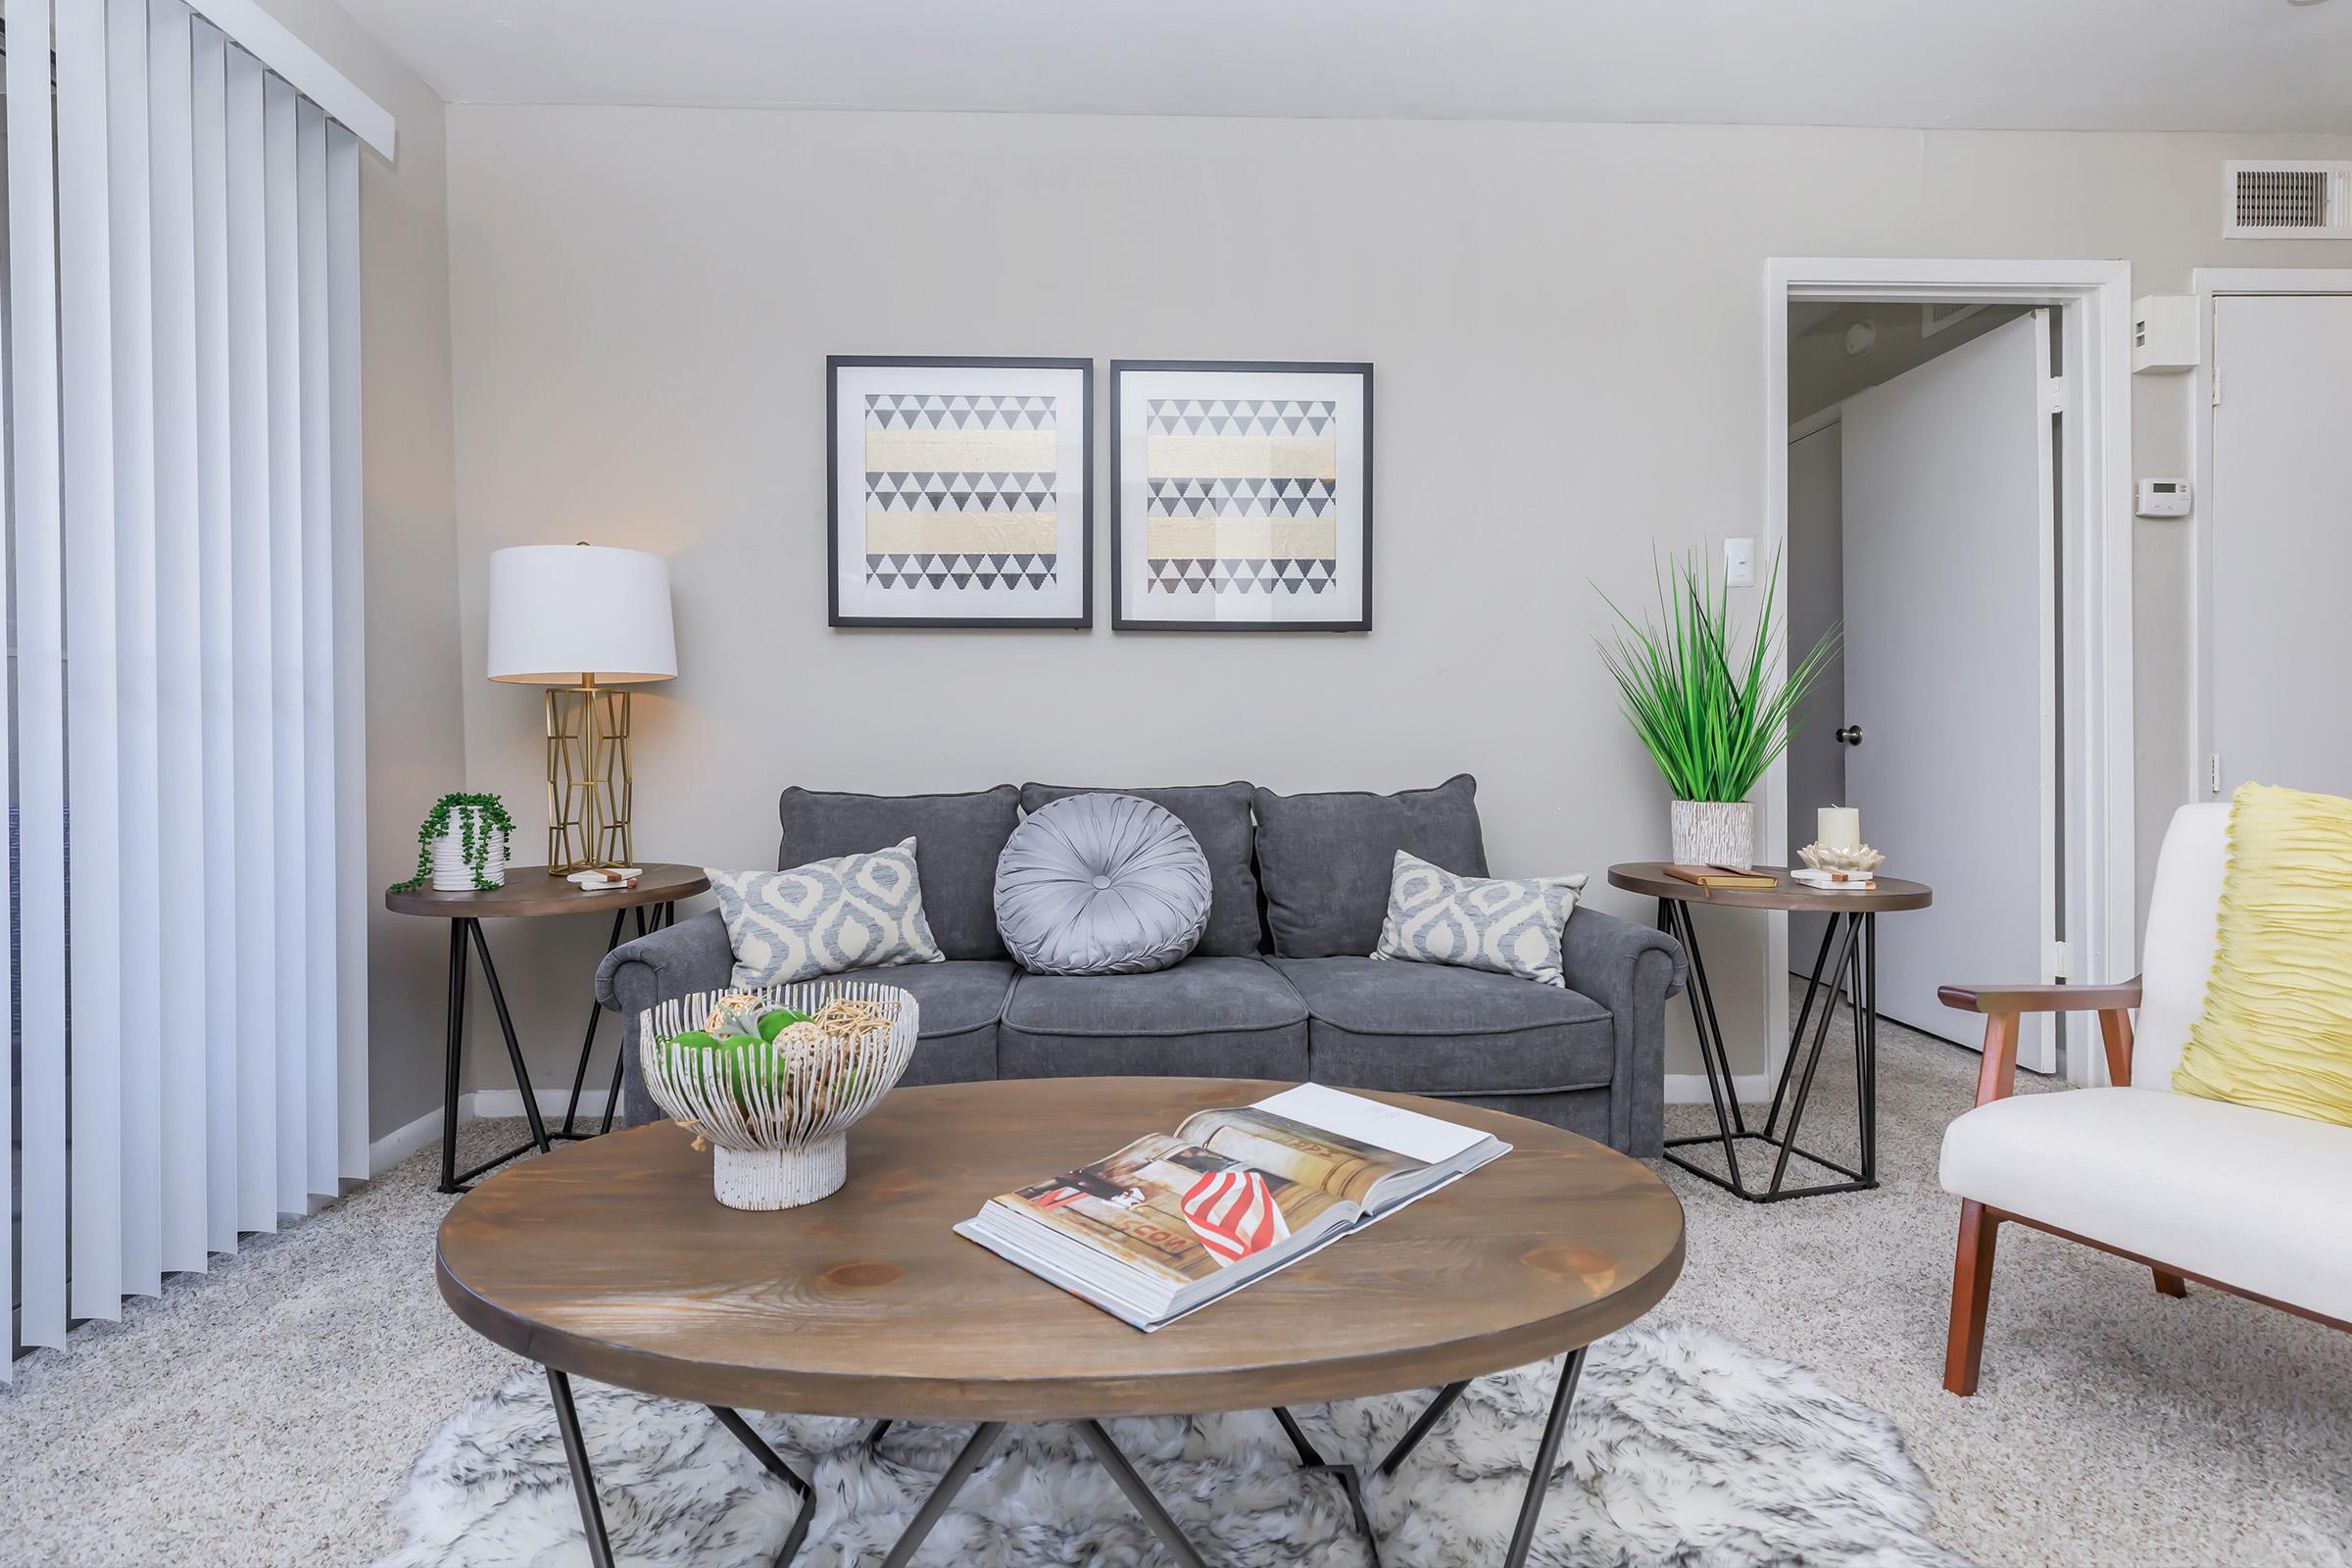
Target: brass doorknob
1851, 734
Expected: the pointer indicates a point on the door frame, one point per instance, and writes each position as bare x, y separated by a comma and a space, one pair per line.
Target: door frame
2093, 299
2208, 283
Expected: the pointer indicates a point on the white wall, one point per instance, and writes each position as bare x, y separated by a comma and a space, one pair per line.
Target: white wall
416, 741
1566, 322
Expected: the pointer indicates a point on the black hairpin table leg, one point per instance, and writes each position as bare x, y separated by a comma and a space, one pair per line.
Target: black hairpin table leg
465, 933
583, 1474
1547, 1451
1350, 1481
1853, 935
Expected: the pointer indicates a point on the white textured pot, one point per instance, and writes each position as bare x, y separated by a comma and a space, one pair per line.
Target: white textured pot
451, 873
1715, 833
781, 1178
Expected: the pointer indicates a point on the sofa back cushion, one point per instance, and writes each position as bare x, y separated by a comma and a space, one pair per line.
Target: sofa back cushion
1325, 859
1219, 817
957, 841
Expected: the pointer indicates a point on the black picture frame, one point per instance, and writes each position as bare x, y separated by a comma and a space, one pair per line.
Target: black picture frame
1085, 618
1120, 621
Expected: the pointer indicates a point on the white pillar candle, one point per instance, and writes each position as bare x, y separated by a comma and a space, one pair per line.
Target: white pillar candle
1837, 827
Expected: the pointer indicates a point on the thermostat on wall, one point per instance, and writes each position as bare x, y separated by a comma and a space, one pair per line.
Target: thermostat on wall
2163, 497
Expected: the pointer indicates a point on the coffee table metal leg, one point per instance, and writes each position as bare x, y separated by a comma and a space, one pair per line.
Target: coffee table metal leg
1547, 1454
774, 1463
1138, 1494
873, 1436
911, 1539
583, 1480
1350, 1481
1421, 1426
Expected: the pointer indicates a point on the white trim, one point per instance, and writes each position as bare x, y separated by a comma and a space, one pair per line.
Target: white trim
1815, 424
2096, 299
2206, 283
402, 1141
266, 39
494, 1104
1690, 1088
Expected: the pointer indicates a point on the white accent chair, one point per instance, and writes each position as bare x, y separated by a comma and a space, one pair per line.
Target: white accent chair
2251, 1202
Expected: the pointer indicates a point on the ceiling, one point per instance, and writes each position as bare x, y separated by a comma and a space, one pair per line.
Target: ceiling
2089, 65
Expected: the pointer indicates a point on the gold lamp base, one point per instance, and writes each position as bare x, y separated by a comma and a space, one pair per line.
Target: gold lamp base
589, 789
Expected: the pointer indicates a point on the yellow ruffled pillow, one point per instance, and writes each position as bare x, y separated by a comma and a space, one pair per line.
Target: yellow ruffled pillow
2276, 1028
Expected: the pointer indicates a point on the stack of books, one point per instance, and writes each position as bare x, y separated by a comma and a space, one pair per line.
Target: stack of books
1711, 877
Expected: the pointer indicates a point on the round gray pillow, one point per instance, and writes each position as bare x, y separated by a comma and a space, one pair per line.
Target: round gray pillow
1101, 884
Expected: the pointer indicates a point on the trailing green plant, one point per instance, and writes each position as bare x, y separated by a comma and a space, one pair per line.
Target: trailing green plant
487, 816
1703, 695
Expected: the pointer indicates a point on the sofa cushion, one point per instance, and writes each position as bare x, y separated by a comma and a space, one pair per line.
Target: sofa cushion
957, 841
2254, 1199
1212, 1017
1432, 1029
860, 911
1219, 817
1325, 859
960, 1002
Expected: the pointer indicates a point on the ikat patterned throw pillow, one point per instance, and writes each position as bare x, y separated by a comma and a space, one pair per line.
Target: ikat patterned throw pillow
860, 911
1476, 922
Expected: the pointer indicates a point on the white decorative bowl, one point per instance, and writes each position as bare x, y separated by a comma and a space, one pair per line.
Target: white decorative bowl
779, 1135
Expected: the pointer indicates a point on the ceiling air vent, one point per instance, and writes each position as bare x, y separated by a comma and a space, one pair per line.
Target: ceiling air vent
2288, 201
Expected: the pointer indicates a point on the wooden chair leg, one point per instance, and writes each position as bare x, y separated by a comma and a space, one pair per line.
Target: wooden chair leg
2170, 1284
1972, 1295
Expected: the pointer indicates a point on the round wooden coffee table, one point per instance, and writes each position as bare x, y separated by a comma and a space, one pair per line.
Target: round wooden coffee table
1853, 928
611, 1259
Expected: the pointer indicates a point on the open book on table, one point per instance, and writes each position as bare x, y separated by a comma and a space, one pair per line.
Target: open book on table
1172, 1222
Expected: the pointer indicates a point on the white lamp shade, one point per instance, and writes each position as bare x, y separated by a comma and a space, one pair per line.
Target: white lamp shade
561, 611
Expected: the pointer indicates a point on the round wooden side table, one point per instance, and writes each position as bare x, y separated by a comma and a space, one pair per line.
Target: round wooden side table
613, 1260
1853, 929
529, 892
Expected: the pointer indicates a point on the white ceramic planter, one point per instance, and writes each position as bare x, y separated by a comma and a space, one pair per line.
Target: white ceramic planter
1715, 833
451, 873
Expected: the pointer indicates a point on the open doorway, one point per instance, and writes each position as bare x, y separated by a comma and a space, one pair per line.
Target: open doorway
1922, 519
1967, 423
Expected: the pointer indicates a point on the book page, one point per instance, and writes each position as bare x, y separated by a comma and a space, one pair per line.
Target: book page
1343, 1166
1425, 1140
1174, 1208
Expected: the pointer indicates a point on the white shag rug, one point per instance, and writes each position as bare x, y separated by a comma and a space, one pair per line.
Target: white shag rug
1683, 1449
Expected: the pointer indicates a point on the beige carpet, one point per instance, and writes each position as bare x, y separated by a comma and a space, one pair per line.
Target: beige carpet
262, 1414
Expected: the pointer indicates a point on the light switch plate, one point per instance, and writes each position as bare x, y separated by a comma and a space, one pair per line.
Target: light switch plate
1740, 563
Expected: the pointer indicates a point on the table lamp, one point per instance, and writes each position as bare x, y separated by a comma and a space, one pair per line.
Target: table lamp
582, 620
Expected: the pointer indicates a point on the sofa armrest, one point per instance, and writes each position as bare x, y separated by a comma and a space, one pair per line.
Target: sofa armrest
675, 962
1632, 970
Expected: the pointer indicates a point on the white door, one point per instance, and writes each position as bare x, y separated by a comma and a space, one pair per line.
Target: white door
1949, 503
1816, 569
2281, 543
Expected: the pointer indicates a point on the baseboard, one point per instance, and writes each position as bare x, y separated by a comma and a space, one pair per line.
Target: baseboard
1690, 1088
481, 1104
491, 1103
402, 1141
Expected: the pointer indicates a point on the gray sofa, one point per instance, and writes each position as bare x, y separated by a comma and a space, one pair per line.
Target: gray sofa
1278, 987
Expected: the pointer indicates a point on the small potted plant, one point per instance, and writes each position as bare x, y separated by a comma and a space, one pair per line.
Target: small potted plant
1710, 706
462, 844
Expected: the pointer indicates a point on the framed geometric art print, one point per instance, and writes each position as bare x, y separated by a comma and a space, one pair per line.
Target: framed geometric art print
959, 491
1240, 495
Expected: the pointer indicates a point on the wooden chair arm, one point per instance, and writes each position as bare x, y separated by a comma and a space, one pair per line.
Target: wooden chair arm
2040, 999
2003, 1005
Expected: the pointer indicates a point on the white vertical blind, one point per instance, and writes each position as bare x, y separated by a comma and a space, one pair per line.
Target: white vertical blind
179, 904
352, 907
249, 620
93, 761
208, 53
184, 473
38, 582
